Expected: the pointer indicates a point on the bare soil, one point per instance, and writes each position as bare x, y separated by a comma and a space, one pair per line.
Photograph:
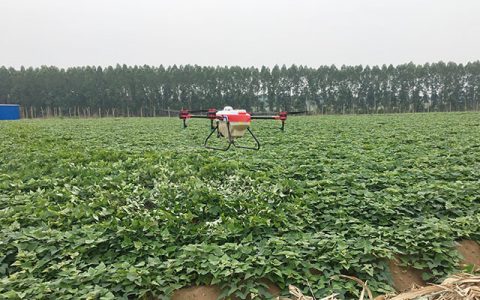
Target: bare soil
470, 252
272, 287
404, 278
210, 292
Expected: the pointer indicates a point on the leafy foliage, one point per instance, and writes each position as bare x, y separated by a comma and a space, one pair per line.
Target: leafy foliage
149, 91
131, 208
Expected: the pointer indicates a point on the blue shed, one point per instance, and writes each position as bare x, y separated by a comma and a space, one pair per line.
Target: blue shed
9, 111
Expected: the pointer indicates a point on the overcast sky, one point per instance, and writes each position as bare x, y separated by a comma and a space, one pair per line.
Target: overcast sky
230, 32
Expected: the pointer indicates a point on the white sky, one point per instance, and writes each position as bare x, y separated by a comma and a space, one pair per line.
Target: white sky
237, 32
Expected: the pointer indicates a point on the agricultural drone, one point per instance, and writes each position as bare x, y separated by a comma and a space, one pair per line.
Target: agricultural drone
232, 124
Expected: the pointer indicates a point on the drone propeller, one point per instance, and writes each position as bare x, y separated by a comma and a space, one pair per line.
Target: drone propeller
198, 111
297, 112
189, 111
210, 114
282, 116
173, 111
262, 113
277, 113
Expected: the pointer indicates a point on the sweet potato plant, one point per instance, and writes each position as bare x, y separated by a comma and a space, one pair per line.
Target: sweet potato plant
136, 208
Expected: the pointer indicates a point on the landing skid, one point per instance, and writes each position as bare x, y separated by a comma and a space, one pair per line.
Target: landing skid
230, 139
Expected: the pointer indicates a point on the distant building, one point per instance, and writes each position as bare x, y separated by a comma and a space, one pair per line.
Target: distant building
9, 111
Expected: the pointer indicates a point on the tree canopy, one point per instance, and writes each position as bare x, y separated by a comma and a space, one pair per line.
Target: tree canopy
151, 91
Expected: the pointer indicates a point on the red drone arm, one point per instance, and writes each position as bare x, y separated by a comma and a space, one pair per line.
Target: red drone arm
282, 116
184, 114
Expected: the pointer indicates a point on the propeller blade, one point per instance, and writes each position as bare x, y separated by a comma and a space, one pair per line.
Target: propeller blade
297, 112
189, 111
263, 113
171, 110
276, 113
198, 111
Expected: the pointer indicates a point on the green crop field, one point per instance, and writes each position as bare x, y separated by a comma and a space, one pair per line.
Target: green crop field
131, 208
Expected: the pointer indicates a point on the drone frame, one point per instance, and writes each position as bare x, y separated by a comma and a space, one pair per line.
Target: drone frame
212, 116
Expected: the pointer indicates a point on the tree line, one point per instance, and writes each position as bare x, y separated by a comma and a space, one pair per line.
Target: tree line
153, 91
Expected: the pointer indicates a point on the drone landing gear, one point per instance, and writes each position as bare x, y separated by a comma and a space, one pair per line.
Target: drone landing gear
257, 143
205, 144
230, 139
